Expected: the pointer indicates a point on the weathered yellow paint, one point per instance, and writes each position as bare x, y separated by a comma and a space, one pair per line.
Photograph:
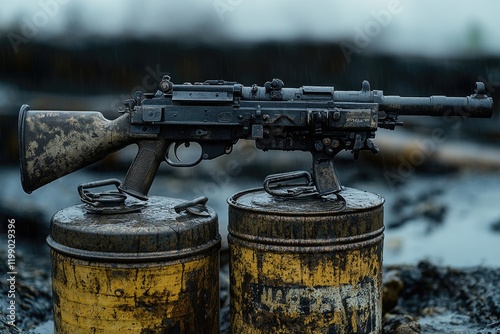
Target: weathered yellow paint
93, 297
334, 297
153, 270
283, 282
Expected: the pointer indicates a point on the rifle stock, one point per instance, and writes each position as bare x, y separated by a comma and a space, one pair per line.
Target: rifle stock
55, 143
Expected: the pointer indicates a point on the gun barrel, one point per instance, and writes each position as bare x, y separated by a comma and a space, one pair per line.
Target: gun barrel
471, 106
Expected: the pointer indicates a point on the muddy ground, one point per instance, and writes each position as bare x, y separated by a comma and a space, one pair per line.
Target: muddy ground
429, 299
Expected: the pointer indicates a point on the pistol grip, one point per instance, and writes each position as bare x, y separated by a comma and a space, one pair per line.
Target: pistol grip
143, 170
325, 175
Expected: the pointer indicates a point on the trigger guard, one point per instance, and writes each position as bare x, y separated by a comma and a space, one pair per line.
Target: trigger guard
180, 164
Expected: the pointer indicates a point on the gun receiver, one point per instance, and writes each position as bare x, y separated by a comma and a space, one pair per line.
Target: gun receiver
216, 114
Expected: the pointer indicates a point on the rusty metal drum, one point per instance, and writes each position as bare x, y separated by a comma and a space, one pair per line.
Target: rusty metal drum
306, 264
154, 270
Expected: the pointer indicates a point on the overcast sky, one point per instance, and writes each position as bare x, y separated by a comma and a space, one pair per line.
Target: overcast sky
422, 27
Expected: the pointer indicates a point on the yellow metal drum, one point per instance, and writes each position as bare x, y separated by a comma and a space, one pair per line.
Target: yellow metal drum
306, 265
153, 271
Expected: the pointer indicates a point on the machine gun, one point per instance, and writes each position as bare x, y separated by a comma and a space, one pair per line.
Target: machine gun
216, 114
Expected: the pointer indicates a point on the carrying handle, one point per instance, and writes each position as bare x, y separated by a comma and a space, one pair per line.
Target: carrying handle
102, 199
273, 186
196, 207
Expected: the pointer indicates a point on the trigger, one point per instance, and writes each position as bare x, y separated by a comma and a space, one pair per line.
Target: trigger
176, 147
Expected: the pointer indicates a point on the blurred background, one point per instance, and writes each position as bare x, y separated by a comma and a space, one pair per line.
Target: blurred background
442, 192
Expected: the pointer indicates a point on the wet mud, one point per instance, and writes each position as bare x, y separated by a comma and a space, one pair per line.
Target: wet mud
33, 295
431, 299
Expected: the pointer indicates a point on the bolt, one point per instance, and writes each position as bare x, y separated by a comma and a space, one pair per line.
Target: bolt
318, 146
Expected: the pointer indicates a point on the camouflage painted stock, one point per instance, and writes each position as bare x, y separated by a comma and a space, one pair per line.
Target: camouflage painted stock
216, 114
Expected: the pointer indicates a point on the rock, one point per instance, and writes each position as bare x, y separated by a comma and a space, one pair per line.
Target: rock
398, 323
391, 287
